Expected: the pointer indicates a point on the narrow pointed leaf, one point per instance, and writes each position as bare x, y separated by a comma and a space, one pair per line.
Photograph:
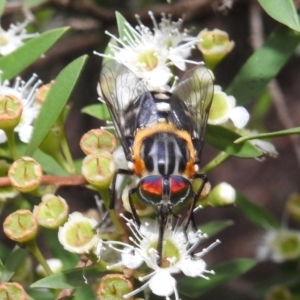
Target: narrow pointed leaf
256, 214
223, 139
195, 287
33, 3
122, 28
213, 228
98, 111
291, 131
13, 63
264, 65
282, 11
2, 6
71, 278
55, 102
12, 263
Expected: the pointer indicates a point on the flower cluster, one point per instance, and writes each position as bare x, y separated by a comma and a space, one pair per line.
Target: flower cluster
150, 54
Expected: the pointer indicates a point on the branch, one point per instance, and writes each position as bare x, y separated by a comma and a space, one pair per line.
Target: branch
56, 180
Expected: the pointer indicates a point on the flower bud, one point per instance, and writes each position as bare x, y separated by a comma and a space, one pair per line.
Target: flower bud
25, 174
51, 143
279, 293
214, 45
21, 226
7, 192
97, 140
54, 264
42, 92
52, 211
11, 109
293, 206
77, 235
114, 286
98, 169
12, 290
221, 195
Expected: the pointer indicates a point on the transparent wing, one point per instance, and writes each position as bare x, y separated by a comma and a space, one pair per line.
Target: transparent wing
191, 101
121, 90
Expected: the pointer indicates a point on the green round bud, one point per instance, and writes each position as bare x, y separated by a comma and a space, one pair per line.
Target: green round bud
293, 206
222, 194
98, 169
11, 109
113, 287
97, 140
25, 174
12, 290
21, 226
214, 45
7, 192
52, 211
51, 144
279, 293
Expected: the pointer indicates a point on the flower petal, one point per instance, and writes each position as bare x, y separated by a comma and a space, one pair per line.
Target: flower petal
162, 283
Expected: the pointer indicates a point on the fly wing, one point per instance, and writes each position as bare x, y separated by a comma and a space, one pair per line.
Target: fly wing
190, 103
126, 97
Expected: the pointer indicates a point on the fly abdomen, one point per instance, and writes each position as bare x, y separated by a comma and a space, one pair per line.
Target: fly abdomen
164, 153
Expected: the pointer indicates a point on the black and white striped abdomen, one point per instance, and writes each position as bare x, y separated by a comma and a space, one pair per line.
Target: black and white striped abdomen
164, 153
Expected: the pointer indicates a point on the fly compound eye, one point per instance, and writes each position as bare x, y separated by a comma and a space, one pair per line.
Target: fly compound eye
150, 189
180, 189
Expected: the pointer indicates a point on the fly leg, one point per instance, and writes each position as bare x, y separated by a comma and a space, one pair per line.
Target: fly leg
190, 215
133, 210
113, 196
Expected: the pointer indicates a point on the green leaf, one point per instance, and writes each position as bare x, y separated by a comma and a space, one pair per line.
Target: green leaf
71, 278
55, 102
195, 287
32, 3
123, 29
291, 131
256, 214
99, 111
2, 6
223, 139
13, 63
282, 11
264, 65
13, 262
213, 228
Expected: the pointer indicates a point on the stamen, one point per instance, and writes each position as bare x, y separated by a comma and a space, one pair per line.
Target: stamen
141, 288
205, 250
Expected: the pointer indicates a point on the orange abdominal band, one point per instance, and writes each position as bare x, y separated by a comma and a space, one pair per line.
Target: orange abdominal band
139, 165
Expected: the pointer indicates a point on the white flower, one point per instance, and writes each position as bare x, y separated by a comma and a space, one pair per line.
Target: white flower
223, 108
150, 53
77, 234
13, 38
25, 92
279, 245
177, 256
